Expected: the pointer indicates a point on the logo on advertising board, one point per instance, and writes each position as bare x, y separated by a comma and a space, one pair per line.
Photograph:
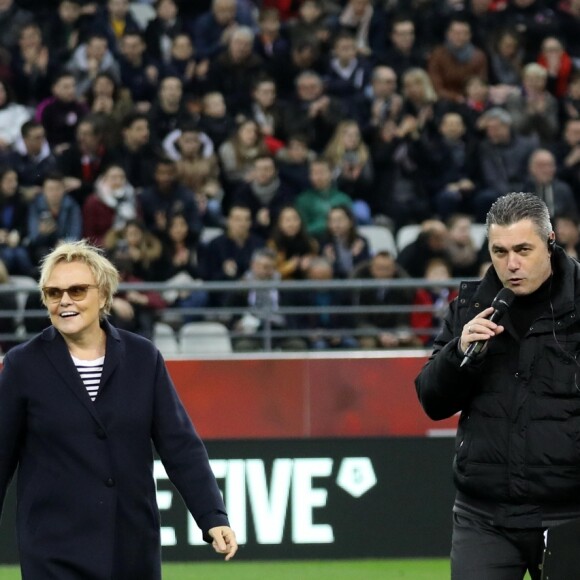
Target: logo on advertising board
286, 498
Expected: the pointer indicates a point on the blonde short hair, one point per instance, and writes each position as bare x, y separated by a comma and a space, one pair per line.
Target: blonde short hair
106, 275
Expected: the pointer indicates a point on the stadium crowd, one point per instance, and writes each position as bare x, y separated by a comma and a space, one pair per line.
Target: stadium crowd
289, 124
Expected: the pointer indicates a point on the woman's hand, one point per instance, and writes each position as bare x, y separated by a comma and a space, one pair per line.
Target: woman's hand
224, 541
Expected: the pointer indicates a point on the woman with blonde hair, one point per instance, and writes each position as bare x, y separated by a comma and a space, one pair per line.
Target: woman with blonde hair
421, 108
350, 160
533, 109
237, 154
80, 406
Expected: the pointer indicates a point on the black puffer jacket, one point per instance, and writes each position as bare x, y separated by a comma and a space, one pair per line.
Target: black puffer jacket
518, 440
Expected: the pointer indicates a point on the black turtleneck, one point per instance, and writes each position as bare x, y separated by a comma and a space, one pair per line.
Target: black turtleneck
526, 309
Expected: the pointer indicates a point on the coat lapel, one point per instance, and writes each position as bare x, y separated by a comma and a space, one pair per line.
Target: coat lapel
59, 356
113, 353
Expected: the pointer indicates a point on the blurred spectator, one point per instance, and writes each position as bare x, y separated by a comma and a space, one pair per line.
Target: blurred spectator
179, 264
111, 101
430, 243
198, 170
533, 19
263, 305
63, 30
135, 154
294, 162
133, 250
506, 58
8, 324
162, 29
554, 58
266, 110
214, 120
12, 20
166, 197
228, 255
31, 158
269, 43
568, 12
311, 23
32, 67
89, 59
366, 21
235, 70
542, 181
398, 155
567, 153
265, 194
293, 246
315, 203
347, 74
341, 244
351, 164
238, 153
12, 117
503, 160
422, 110
305, 56
168, 111
114, 20
463, 255
451, 64
183, 64
139, 72
534, 110
61, 113
213, 29
453, 165
570, 103
193, 153
312, 111
82, 162
325, 330
403, 54
386, 329
13, 225
139, 249
110, 206
53, 217
428, 323
377, 103
478, 99
567, 231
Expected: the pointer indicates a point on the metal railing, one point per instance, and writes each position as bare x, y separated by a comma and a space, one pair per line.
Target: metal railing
269, 332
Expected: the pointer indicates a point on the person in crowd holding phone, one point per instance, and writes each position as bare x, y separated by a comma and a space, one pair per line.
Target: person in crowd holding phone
80, 405
516, 466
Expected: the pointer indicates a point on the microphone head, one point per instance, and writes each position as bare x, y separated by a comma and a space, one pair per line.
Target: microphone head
503, 300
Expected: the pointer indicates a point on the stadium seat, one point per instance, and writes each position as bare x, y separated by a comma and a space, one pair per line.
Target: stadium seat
380, 238
204, 338
478, 234
142, 13
22, 298
208, 234
165, 339
406, 235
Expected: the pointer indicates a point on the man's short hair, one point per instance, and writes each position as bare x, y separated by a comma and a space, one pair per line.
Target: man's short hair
518, 206
498, 113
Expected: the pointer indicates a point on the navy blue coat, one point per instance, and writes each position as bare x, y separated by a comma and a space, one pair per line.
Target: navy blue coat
86, 494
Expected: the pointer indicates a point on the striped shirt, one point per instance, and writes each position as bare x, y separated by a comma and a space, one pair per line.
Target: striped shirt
90, 372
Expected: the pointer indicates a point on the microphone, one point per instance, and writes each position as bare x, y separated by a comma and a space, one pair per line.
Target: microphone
500, 303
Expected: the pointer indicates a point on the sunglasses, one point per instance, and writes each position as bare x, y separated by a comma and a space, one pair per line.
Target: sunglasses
76, 292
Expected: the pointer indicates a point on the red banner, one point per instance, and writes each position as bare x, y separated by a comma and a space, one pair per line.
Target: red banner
306, 397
